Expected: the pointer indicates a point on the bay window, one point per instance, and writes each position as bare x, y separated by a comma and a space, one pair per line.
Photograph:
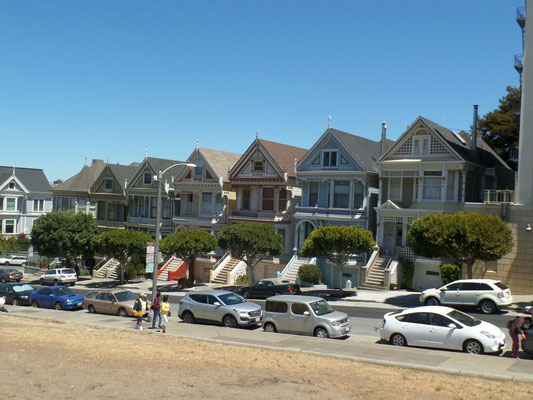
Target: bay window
341, 194
268, 199
313, 194
432, 185
358, 195
282, 202
207, 203
395, 188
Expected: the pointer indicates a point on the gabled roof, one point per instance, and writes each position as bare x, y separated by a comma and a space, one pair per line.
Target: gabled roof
284, 155
33, 179
220, 161
83, 180
120, 172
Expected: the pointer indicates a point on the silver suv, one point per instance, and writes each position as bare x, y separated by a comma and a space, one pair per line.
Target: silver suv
307, 315
220, 306
487, 294
59, 276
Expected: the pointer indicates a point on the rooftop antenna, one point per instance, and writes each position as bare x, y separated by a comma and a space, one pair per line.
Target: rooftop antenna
329, 121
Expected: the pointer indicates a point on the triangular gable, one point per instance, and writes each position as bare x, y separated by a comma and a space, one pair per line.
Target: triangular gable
18, 185
256, 152
138, 178
403, 147
388, 205
99, 184
328, 141
196, 157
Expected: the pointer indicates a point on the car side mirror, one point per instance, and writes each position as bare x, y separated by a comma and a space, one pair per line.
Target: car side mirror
452, 326
443, 289
306, 313
216, 303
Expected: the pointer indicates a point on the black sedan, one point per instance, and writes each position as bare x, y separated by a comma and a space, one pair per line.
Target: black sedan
17, 294
10, 275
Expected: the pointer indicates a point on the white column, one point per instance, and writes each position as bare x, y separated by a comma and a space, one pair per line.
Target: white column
350, 195
444, 184
331, 193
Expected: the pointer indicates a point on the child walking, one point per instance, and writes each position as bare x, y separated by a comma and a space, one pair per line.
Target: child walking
165, 313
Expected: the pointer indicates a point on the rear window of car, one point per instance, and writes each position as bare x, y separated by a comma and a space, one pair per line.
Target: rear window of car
68, 271
125, 296
501, 286
276, 306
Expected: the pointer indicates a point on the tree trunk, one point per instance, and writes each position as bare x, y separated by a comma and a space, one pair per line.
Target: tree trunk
187, 268
122, 272
340, 278
470, 269
251, 270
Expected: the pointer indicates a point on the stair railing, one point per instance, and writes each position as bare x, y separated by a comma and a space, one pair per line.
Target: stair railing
366, 269
219, 265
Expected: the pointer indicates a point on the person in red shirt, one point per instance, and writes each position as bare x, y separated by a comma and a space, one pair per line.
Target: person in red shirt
517, 329
156, 307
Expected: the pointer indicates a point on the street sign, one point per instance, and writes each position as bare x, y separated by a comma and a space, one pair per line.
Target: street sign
150, 250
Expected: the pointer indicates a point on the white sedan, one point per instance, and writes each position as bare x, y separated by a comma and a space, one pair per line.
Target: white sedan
441, 327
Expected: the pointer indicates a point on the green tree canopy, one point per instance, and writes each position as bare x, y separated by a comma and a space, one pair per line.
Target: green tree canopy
188, 244
499, 128
64, 234
251, 242
464, 237
122, 245
337, 244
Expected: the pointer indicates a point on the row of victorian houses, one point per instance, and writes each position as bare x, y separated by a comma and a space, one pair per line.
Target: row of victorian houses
343, 179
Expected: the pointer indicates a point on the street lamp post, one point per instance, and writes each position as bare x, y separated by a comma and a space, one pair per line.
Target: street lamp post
159, 178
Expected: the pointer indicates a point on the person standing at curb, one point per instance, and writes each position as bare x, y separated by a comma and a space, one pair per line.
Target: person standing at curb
156, 308
2, 303
165, 313
516, 330
140, 307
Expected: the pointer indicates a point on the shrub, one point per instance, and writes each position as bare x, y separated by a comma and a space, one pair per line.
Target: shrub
408, 270
184, 283
310, 273
449, 273
242, 280
84, 272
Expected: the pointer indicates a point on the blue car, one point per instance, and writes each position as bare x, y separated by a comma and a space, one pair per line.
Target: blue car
58, 297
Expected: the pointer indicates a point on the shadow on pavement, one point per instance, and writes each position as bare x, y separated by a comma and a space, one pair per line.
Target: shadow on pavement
408, 300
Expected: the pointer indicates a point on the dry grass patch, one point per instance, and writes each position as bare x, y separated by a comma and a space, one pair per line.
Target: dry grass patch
92, 362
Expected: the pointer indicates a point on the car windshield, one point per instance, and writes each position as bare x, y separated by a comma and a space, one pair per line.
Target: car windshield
125, 296
22, 288
11, 270
63, 291
321, 307
501, 286
68, 271
231, 299
463, 318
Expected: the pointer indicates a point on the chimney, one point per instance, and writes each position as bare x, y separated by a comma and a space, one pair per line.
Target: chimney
474, 129
383, 137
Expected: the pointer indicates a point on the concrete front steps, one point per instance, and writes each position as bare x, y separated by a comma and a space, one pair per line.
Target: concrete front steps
375, 279
171, 266
292, 273
222, 276
109, 270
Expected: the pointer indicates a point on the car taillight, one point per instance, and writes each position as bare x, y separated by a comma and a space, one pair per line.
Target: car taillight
10, 274
62, 276
291, 288
181, 302
383, 325
500, 295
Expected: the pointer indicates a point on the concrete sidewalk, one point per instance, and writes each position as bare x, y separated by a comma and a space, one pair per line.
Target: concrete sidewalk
358, 348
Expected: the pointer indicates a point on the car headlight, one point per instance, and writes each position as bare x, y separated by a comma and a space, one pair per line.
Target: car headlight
335, 323
68, 302
23, 297
488, 334
240, 312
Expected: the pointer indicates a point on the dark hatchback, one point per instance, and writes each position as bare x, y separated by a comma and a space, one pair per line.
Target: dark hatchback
10, 275
17, 294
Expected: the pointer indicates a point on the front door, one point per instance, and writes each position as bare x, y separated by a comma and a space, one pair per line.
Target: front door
298, 321
452, 294
389, 242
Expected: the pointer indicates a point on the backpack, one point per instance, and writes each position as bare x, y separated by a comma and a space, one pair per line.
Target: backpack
510, 323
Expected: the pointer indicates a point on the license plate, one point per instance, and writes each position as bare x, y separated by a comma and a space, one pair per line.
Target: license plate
257, 319
79, 304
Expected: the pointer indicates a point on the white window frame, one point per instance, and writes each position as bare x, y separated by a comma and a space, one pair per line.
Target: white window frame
14, 204
199, 172
38, 204
14, 226
418, 145
258, 166
203, 203
309, 193
432, 176
389, 189
144, 178
330, 152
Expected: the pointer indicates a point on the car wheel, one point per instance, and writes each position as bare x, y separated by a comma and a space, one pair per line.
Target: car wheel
16, 302
122, 312
24, 264
18, 280
321, 332
229, 321
3, 280
398, 340
34, 304
41, 281
269, 327
91, 309
72, 283
188, 318
472, 346
488, 307
56, 282
58, 306
6, 263
432, 301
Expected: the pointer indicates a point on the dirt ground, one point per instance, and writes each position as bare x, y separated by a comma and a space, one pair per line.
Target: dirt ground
52, 360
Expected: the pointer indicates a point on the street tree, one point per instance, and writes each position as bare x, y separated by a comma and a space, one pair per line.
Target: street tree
64, 234
122, 244
251, 242
463, 237
337, 244
188, 245
499, 127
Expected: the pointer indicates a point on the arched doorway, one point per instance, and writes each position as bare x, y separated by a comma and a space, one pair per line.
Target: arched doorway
303, 230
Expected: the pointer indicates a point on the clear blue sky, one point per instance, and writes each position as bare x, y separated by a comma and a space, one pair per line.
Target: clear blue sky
108, 79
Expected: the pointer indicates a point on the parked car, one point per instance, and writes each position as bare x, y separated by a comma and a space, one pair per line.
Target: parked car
221, 306
10, 275
17, 294
59, 276
58, 297
110, 301
14, 260
307, 315
269, 287
527, 343
487, 294
441, 327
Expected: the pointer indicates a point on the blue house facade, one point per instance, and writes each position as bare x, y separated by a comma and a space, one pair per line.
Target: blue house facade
339, 178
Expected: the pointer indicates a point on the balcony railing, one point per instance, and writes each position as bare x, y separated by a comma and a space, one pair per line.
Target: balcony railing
499, 196
330, 212
261, 215
519, 62
521, 16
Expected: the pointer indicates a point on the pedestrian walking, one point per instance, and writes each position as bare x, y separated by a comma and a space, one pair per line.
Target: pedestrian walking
2, 303
165, 313
156, 308
516, 330
140, 307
